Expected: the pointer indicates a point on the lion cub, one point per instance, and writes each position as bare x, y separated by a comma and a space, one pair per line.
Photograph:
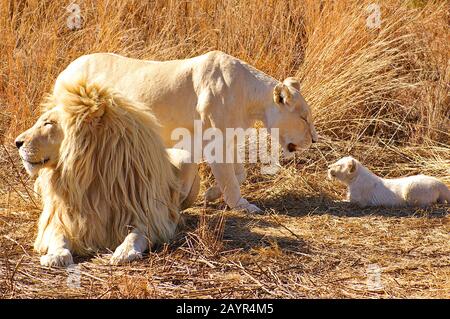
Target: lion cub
367, 189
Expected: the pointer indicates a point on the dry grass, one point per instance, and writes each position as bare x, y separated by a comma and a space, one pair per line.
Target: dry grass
380, 95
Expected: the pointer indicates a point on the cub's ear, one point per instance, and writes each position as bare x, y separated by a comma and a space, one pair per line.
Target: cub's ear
293, 82
282, 96
352, 166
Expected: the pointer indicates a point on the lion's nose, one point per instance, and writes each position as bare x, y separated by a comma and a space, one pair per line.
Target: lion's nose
19, 143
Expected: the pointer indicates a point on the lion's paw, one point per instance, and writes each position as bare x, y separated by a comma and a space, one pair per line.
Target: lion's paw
61, 258
124, 254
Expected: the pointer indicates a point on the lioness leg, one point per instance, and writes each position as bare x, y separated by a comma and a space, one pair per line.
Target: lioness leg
58, 253
214, 192
240, 172
131, 249
229, 185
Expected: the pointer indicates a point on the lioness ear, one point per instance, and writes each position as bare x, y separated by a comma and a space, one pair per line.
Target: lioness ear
277, 98
292, 82
282, 96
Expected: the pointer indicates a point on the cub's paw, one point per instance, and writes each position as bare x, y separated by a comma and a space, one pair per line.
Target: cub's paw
60, 258
124, 254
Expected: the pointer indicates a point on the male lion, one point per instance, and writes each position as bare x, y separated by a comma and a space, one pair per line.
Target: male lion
367, 189
218, 89
104, 176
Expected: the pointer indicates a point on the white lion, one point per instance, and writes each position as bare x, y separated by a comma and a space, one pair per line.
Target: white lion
218, 89
367, 189
104, 176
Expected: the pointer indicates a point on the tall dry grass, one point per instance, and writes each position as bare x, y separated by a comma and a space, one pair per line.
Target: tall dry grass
390, 82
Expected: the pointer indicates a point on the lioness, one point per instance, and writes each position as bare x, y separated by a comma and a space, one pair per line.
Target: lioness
216, 88
367, 189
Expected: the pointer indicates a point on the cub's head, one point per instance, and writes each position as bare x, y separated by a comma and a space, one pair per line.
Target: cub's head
344, 170
39, 145
293, 118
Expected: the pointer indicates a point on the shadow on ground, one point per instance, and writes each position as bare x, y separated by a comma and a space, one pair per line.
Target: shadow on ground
237, 233
291, 204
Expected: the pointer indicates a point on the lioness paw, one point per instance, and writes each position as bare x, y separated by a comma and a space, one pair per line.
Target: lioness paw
253, 209
245, 205
61, 258
124, 254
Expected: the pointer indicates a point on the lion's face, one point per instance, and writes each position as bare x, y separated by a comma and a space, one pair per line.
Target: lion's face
344, 170
294, 120
39, 145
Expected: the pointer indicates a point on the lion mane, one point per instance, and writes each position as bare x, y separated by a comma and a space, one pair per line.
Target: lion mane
113, 174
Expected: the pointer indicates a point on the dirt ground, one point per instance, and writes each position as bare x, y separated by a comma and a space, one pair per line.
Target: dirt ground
306, 244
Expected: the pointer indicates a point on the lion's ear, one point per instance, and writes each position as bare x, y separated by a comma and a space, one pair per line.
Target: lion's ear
95, 101
97, 111
282, 96
85, 101
93, 113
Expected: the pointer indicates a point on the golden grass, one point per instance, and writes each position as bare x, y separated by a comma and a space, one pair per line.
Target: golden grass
380, 95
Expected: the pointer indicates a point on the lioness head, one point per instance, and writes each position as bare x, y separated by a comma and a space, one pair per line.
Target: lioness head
294, 118
344, 170
39, 145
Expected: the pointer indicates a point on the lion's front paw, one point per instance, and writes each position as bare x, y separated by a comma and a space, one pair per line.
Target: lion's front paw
124, 254
60, 258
